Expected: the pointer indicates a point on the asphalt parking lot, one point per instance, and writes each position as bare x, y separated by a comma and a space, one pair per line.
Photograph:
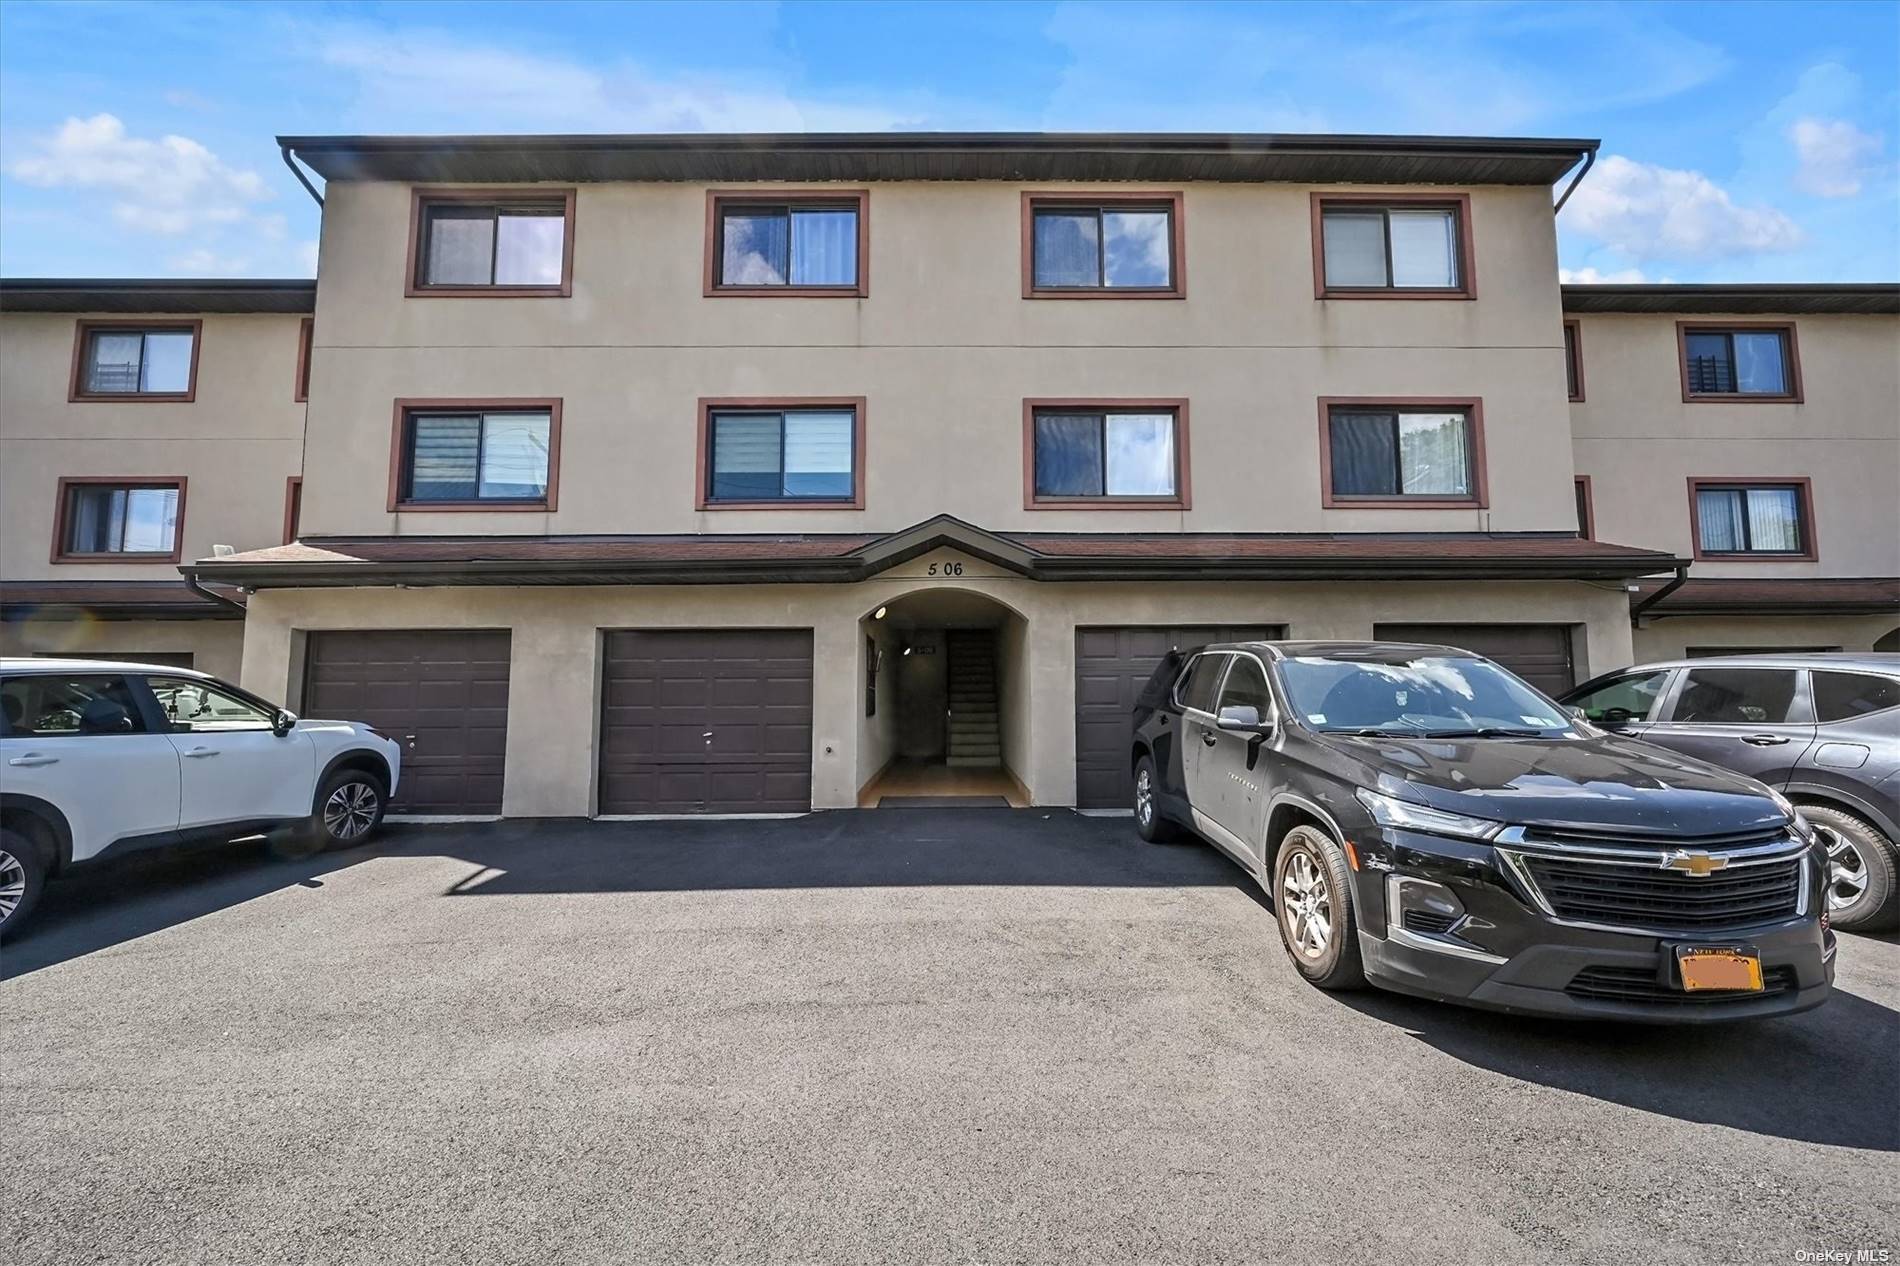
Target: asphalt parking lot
904, 1035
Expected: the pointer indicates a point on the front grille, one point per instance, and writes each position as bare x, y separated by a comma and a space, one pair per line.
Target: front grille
1641, 895
1640, 985
1428, 921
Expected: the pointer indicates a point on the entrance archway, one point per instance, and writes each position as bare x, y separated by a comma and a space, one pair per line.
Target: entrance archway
945, 718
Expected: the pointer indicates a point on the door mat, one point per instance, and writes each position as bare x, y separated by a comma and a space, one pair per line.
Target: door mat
942, 802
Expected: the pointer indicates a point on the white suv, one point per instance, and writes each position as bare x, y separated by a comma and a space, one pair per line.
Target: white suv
106, 758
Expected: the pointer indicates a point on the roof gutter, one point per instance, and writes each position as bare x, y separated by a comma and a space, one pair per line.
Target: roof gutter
1589, 161
291, 162
1637, 610
211, 595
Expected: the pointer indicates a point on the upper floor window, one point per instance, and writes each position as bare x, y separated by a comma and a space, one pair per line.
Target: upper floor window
1739, 363
110, 519
1082, 245
117, 361
1770, 517
1402, 453
1085, 453
1385, 245
306, 335
1573, 359
477, 454
781, 453
489, 243
773, 244
1586, 509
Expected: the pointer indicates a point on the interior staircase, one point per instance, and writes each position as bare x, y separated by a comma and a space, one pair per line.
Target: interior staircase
974, 739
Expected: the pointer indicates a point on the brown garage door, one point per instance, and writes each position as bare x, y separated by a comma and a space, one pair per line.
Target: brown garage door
1111, 666
441, 693
706, 721
1539, 653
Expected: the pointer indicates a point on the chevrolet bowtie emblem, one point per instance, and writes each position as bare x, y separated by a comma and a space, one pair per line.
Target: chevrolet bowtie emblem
1701, 865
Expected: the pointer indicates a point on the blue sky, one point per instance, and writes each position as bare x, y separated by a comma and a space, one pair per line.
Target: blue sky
1741, 142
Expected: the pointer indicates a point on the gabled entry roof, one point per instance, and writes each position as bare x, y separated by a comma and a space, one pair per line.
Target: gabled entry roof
842, 558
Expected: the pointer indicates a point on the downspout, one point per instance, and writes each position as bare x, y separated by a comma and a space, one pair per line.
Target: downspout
311, 189
209, 595
1636, 612
1589, 161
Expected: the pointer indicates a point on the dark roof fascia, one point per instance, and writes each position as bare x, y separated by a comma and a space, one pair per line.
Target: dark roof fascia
140, 295
945, 156
1799, 299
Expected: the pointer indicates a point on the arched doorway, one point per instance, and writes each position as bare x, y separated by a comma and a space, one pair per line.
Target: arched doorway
945, 715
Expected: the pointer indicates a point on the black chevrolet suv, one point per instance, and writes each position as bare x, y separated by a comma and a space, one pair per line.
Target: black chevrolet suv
1425, 821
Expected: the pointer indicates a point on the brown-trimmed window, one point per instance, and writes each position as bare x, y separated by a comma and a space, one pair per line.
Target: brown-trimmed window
116, 360
102, 520
1751, 362
293, 508
1083, 453
1402, 453
1573, 359
306, 332
1381, 245
1087, 245
477, 454
1586, 510
768, 454
780, 244
488, 243
1755, 519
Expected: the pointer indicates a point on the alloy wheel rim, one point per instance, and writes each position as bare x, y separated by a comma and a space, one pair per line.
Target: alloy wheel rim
350, 810
1306, 906
1846, 871
12, 884
1144, 796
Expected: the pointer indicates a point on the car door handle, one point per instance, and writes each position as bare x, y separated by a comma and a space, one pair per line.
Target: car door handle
1207, 737
32, 760
197, 753
1764, 740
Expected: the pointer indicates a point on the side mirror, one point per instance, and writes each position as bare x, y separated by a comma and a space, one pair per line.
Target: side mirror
281, 722
1242, 718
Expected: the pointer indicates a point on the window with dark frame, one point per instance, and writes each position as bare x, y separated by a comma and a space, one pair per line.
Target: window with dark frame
1585, 528
112, 520
306, 336
124, 361
790, 455
1424, 453
1113, 454
796, 245
1573, 365
498, 245
476, 456
1766, 518
293, 508
1401, 246
1107, 246
1737, 362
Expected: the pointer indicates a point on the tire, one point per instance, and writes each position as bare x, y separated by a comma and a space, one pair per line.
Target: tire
1862, 892
1149, 823
349, 807
1310, 878
22, 879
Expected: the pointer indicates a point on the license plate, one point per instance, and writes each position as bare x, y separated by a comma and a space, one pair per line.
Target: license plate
1718, 967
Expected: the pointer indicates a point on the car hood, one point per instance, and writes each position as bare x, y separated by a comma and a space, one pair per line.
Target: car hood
1589, 783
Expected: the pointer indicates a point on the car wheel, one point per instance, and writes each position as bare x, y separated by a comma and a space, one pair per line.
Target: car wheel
1312, 903
350, 807
1862, 895
22, 876
1148, 820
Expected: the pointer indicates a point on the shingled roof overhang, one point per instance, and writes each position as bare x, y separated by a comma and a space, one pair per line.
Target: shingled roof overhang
1006, 156
1792, 595
97, 294
109, 600
1800, 299
843, 559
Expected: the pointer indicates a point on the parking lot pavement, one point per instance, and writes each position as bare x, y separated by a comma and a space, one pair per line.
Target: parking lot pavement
906, 1036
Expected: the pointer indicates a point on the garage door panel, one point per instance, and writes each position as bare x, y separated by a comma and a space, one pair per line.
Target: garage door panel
447, 687
663, 691
1111, 666
1539, 653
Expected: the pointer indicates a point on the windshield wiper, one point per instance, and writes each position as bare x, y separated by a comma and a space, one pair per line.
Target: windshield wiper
1487, 731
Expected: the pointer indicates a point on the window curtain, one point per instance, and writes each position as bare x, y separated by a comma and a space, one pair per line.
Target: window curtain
151, 520
514, 456
1433, 458
1774, 519
818, 454
1067, 248
1364, 454
96, 520
1069, 455
755, 248
1140, 454
745, 457
443, 453
824, 247
1719, 518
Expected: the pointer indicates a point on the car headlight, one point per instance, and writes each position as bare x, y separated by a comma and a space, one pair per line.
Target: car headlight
1407, 816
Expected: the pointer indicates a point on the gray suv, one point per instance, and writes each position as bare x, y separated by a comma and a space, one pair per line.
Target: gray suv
1822, 729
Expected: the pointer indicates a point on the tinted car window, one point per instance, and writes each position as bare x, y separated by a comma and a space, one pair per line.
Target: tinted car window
1246, 687
50, 706
1430, 694
1625, 699
1842, 696
1197, 689
1736, 696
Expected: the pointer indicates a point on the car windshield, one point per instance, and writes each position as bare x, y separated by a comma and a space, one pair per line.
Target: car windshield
1435, 696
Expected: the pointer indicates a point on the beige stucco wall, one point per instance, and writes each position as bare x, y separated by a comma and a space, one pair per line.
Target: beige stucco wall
216, 646
550, 770
1640, 442
1670, 638
236, 443
944, 349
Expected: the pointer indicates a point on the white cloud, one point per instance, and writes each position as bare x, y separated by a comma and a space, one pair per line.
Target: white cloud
1594, 277
1834, 156
169, 186
1643, 211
